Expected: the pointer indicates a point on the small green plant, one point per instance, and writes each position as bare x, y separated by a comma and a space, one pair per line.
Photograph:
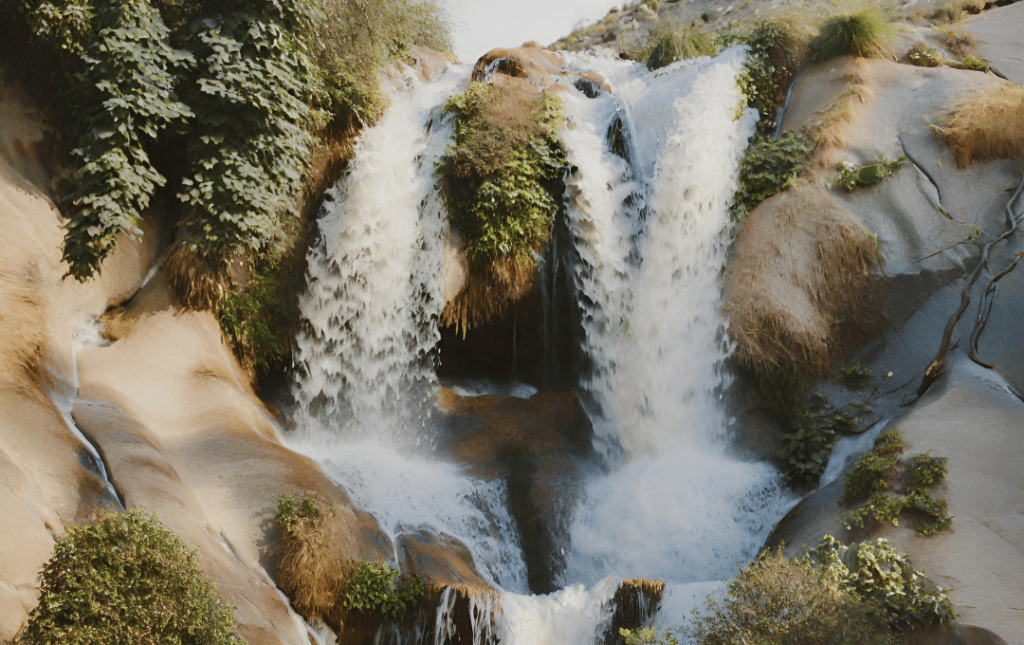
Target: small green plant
292, 512
806, 448
670, 44
851, 176
924, 56
926, 470
878, 472
126, 579
972, 63
255, 320
866, 34
648, 636
881, 575
767, 168
377, 587
855, 376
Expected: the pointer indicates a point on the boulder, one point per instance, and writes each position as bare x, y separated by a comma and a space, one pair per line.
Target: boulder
540, 446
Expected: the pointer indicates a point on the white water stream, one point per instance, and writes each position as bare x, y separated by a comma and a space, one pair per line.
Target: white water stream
650, 242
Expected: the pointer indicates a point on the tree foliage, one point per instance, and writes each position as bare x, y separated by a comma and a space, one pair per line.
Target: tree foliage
126, 581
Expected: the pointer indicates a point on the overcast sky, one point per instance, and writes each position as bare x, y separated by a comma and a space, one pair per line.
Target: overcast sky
481, 25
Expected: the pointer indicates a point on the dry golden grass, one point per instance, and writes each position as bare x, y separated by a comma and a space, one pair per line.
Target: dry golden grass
488, 293
805, 289
22, 330
314, 569
200, 284
987, 125
825, 127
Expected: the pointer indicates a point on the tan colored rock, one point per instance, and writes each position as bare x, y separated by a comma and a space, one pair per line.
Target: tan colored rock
531, 61
185, 437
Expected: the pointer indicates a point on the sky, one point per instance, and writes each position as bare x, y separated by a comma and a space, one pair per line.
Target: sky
481, 25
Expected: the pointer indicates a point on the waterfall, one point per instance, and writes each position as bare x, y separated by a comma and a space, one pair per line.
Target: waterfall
651, 242
376, 277
649, 237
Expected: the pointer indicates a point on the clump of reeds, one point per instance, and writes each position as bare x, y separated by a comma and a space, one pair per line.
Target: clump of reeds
867, 33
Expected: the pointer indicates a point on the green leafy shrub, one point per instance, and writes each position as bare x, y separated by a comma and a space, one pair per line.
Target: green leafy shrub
807, 446
126, 580
851, 176
866, 34
775, 56
670, 44
376, 587
325, 586
502, 178
878, 472
775, 600
884, 577
768, 167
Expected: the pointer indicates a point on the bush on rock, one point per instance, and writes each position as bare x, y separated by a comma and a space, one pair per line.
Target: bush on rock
126, 581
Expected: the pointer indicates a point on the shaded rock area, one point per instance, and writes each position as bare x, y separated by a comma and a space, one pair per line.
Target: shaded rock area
635, 604
541, 446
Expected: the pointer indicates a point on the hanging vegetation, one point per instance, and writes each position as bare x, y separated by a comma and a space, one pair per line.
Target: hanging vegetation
225, 103
502, 178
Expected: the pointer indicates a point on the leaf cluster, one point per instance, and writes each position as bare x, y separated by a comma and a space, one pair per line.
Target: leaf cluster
123, 581
292, 512
881, 575
502, 175
768, 167
807, 446
891, 487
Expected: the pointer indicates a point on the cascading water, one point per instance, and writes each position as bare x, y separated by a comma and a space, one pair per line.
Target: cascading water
675, 506
650, 239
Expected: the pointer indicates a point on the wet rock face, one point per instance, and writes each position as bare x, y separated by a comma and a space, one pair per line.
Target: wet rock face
541, 446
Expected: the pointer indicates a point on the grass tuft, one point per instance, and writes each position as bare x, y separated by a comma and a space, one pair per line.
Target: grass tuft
987, 125
867, 34
670, 44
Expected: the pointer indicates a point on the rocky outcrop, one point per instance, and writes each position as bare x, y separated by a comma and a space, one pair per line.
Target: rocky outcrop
541, 446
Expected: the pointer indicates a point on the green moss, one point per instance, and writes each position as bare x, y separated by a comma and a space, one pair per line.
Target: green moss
122, 580
256, 320
774, 57
851, 176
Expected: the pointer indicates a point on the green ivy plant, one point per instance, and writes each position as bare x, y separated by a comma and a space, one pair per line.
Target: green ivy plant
255, 319
126, 98
773, 59
125, 580
248, 150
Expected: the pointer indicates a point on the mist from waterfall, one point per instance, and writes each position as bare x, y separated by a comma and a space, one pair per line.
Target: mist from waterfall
650, 235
